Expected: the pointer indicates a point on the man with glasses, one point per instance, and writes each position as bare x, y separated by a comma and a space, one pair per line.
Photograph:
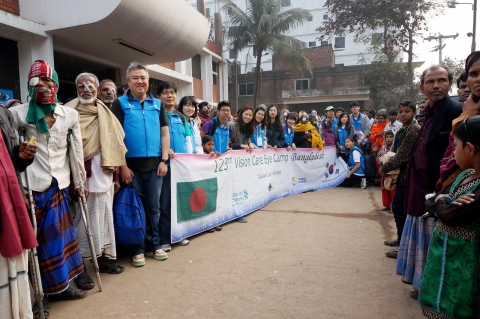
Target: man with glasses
219, 129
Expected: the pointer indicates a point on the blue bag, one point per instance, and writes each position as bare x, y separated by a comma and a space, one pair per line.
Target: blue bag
129, 218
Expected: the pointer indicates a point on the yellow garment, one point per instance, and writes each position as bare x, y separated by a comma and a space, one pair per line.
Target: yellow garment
315, 139
101, 132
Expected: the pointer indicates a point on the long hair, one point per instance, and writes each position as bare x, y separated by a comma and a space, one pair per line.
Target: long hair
348, 124
277, 124
184, 101
246, 128
264, 121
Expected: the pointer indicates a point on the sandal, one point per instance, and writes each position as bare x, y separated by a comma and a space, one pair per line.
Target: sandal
414, 293
84, 282
392, 243
218, 228
405, 281
69, 294
46, 309
211, 230
111, 268
392, 254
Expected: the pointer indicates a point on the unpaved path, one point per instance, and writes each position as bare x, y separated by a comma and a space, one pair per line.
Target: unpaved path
314, 255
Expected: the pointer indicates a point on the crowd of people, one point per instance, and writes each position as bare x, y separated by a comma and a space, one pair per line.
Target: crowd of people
426, 158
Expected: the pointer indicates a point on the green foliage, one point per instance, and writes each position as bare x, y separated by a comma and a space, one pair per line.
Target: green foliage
457, 67
262, 27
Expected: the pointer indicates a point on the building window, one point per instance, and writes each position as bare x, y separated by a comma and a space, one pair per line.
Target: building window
340, 43
339, 64
286, 3
245, 89
324, 43
377, 38
196, 67
207, 12
325, 16
312, 44
301, 84
231, 54
310, 18
215, 72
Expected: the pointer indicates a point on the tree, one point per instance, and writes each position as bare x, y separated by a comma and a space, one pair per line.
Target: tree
263, 26
457, 67
400, 20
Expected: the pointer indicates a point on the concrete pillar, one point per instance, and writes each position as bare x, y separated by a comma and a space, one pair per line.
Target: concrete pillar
30, 48
224, 84
207, 77
201, 7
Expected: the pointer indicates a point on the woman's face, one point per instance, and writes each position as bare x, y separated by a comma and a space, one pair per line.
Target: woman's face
473, 79
188, 109
247, 116
272, 112
344, 119
291, 122
260, 116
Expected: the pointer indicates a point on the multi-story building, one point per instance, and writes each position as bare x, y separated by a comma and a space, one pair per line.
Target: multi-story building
103, 37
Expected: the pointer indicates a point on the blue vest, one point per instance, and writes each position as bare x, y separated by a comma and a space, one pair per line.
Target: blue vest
259, 138
288, 136
178, 139
357, 123
221, 136
351, 162
141, 126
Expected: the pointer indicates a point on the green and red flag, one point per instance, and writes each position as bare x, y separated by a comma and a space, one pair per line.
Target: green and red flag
196, 199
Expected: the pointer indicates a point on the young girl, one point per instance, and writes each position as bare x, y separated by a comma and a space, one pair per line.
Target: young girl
208, 144
387, 195
288, 130
356, 164
343, 130
275, 137
328, 135
188, 107
376, 136
450, 287
243, 130
260, 124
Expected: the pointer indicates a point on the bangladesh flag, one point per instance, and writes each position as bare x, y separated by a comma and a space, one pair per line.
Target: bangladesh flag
196, 199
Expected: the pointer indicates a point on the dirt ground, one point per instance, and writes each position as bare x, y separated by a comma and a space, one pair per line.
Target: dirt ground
313, 255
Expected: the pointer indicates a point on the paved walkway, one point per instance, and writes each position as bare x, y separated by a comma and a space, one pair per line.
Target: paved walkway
314, 255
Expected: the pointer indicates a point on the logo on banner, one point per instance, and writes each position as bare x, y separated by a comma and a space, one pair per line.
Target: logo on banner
239, 198
196, 199
294, 181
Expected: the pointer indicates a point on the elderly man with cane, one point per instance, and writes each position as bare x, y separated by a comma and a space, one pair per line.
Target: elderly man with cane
49, 176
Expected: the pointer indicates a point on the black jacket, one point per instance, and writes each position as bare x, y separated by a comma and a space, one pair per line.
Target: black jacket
275, 136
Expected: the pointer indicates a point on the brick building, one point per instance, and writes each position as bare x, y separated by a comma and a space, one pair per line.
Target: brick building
329, 85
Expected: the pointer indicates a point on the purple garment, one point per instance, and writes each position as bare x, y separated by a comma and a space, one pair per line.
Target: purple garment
207, 126
329, 137
419, 183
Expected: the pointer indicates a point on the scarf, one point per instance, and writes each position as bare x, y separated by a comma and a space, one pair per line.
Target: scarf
315, 139
101, 132
41, 102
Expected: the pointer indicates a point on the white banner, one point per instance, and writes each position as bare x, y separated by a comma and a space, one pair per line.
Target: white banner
208, 191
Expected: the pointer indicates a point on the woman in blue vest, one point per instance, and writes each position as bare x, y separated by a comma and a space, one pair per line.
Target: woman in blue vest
356, 164
243, 129
289, 131
259, 125
188, 107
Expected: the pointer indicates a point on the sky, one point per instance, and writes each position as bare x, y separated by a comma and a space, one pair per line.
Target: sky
450, 22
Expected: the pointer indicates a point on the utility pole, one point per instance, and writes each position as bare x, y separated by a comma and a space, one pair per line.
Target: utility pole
440, 43
453, 5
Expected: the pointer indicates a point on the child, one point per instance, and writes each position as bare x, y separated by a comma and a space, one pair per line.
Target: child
387, 195
288, 131
450, 285
356, 164
376, 136
208, 144
328, 136
394, 125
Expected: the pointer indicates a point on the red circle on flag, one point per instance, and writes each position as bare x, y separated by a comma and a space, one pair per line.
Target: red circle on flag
198, 199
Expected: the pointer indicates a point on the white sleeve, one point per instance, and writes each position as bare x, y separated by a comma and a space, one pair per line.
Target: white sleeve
198, 140
356, 156
188, 140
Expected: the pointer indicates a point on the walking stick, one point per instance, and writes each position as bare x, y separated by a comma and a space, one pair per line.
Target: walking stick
34, 264
83, 205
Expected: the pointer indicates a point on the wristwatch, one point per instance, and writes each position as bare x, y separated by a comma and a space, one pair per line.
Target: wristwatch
164, 161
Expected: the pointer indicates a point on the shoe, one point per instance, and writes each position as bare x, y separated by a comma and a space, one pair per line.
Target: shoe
242, 220
158, 254
166, 247
405, 281
138, 260
184, 242
414, 293
385, 209
363, 183
211, 230
392, 254
391, 243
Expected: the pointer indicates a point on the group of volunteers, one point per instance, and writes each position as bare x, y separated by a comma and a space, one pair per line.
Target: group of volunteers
108, 138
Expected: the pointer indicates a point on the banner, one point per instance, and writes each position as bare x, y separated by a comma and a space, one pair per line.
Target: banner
210, 190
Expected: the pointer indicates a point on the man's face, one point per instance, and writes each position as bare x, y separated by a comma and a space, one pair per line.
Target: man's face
44, 83
436, 84
86, 89
168, 97
392, 118
224, 113
330, 114
337, 114
355, 110
206, 108
107, 92
138, 82
463, 91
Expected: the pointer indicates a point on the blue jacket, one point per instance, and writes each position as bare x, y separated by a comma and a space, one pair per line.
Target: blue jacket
176, 127
141, 126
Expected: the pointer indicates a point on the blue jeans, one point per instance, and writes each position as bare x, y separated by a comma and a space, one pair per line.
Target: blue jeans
149, 185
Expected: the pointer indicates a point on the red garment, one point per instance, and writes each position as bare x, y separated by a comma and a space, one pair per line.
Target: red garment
387, 196
17, 232
203, 119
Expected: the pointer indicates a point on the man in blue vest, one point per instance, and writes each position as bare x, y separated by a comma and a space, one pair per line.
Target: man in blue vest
148, 141
361, 123
219, 129
179, 130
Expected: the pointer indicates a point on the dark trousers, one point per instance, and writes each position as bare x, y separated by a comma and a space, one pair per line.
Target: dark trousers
398, 210
352, 181
166, 210
344, 156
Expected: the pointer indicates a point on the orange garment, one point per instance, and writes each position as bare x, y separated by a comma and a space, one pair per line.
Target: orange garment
377, 128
